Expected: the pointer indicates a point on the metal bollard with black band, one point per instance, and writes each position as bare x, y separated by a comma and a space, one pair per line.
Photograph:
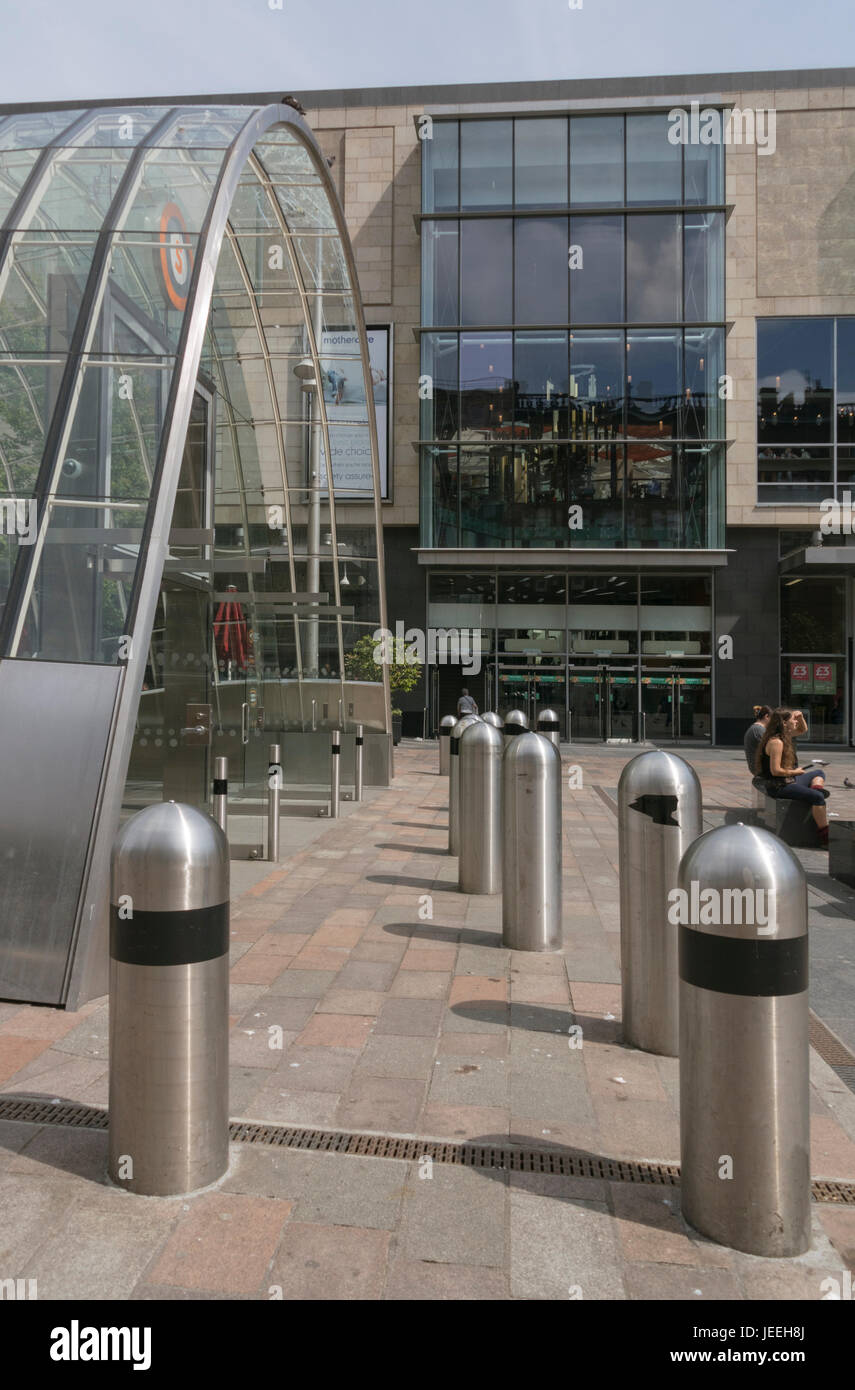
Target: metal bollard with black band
531, 845
480, 806
741, 911
454, 780
335, 773
549, 725
169, 992
359, 746
274, 791
446, 724
220, 807
516, 722
659, 815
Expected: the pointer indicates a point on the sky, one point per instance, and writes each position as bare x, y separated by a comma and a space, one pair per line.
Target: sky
51, 51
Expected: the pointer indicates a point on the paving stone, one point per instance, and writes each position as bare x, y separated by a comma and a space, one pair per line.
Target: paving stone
381, 1103
413, 1018
662, 1281
352, 1191
461, 1081
317, 1068
396, 1056
455, 1217
224, 1243
561, 1249
302, 983
330, 1263
476, 1122
420, 1280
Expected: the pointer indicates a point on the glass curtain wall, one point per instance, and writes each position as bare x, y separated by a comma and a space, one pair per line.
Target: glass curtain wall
574, 346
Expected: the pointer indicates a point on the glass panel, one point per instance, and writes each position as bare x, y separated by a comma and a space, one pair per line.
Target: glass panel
540, 272
817, 688
654, 384
81, 189
486, 164
540, 163
704, 173
440, 412
540, 373
43, 291
596, 160
703, 248
654, 166
653, 269
603, 615
486, 383
537, 502
440, 273
794, 385
813, 615
441, 466
14, 174
440, 168
794, 464
485, 482
597, 485
704, 409
596, 285
596, 384
26, 399
654, 513
486, 270
846, 381
35, 129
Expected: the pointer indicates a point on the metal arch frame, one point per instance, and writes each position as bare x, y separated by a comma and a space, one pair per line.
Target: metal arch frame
271, 387
71, 386
86, 958
308, 320
322, 170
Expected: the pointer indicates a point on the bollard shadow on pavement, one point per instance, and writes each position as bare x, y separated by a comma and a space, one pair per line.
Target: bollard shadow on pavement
449, 936
416, 849
534, 1018
82, 1153
426, 885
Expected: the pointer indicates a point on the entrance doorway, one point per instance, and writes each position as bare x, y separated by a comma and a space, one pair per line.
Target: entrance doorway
531, 691
677, 706
604, 703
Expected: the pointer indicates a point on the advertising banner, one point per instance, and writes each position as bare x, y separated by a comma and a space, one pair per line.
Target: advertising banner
346, 409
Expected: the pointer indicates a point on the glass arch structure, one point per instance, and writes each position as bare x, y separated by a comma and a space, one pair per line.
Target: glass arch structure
191, 546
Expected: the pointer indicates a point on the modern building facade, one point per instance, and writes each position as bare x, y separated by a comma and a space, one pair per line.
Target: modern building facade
191, 551
624, 386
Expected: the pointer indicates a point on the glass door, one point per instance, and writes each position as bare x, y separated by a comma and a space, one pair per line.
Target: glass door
657, 707
619, 702
677, 706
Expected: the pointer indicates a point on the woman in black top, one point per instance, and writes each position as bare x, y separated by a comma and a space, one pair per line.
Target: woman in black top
778, 765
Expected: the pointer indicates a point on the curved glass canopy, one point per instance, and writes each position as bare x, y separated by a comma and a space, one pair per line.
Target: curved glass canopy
191, 546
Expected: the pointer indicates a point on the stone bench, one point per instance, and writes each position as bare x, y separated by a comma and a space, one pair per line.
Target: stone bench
841, 851
792, 821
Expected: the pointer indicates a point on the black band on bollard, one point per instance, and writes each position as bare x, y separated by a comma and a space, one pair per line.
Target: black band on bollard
514, 729
744, 965
445, 733
548, 724
221, 786
335, 749
170, 938
359, 742
454, 750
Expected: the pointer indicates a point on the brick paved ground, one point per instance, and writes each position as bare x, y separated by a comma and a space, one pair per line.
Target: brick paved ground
400, 1024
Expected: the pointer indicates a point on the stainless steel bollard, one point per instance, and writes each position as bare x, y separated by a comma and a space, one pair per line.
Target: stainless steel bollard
659, 815
480, 809
274, 789
531, 845
744, 1044
446, 724
357, 761
335, 772
549, 725
169, 991
494, 719
220, 807
516, 722
453, 780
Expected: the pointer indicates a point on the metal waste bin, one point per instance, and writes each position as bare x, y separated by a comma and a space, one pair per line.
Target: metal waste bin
531, 845
169, 990
659, 815
744, 1042
453, 779
480, 808
446, 724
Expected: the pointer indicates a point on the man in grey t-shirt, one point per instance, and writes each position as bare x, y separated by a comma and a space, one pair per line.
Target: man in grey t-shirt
466, 705
754, 736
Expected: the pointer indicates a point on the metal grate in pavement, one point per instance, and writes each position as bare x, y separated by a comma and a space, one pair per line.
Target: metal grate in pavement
479, 1156
829, 1046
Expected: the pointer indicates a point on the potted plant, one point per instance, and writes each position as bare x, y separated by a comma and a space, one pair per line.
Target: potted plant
365, 661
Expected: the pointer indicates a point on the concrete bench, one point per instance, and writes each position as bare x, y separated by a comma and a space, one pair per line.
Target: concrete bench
791, 820
841, 851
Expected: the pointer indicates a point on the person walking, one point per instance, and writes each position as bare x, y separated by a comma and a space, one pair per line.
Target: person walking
754, 737
778, 764
466, 705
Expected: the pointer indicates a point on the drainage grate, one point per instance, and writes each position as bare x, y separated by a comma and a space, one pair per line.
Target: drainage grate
512, 1160
828, 1045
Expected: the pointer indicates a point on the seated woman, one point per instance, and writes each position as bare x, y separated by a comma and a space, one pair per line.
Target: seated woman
778, 765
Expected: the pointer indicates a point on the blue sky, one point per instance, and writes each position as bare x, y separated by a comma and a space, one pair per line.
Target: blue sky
113, 48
